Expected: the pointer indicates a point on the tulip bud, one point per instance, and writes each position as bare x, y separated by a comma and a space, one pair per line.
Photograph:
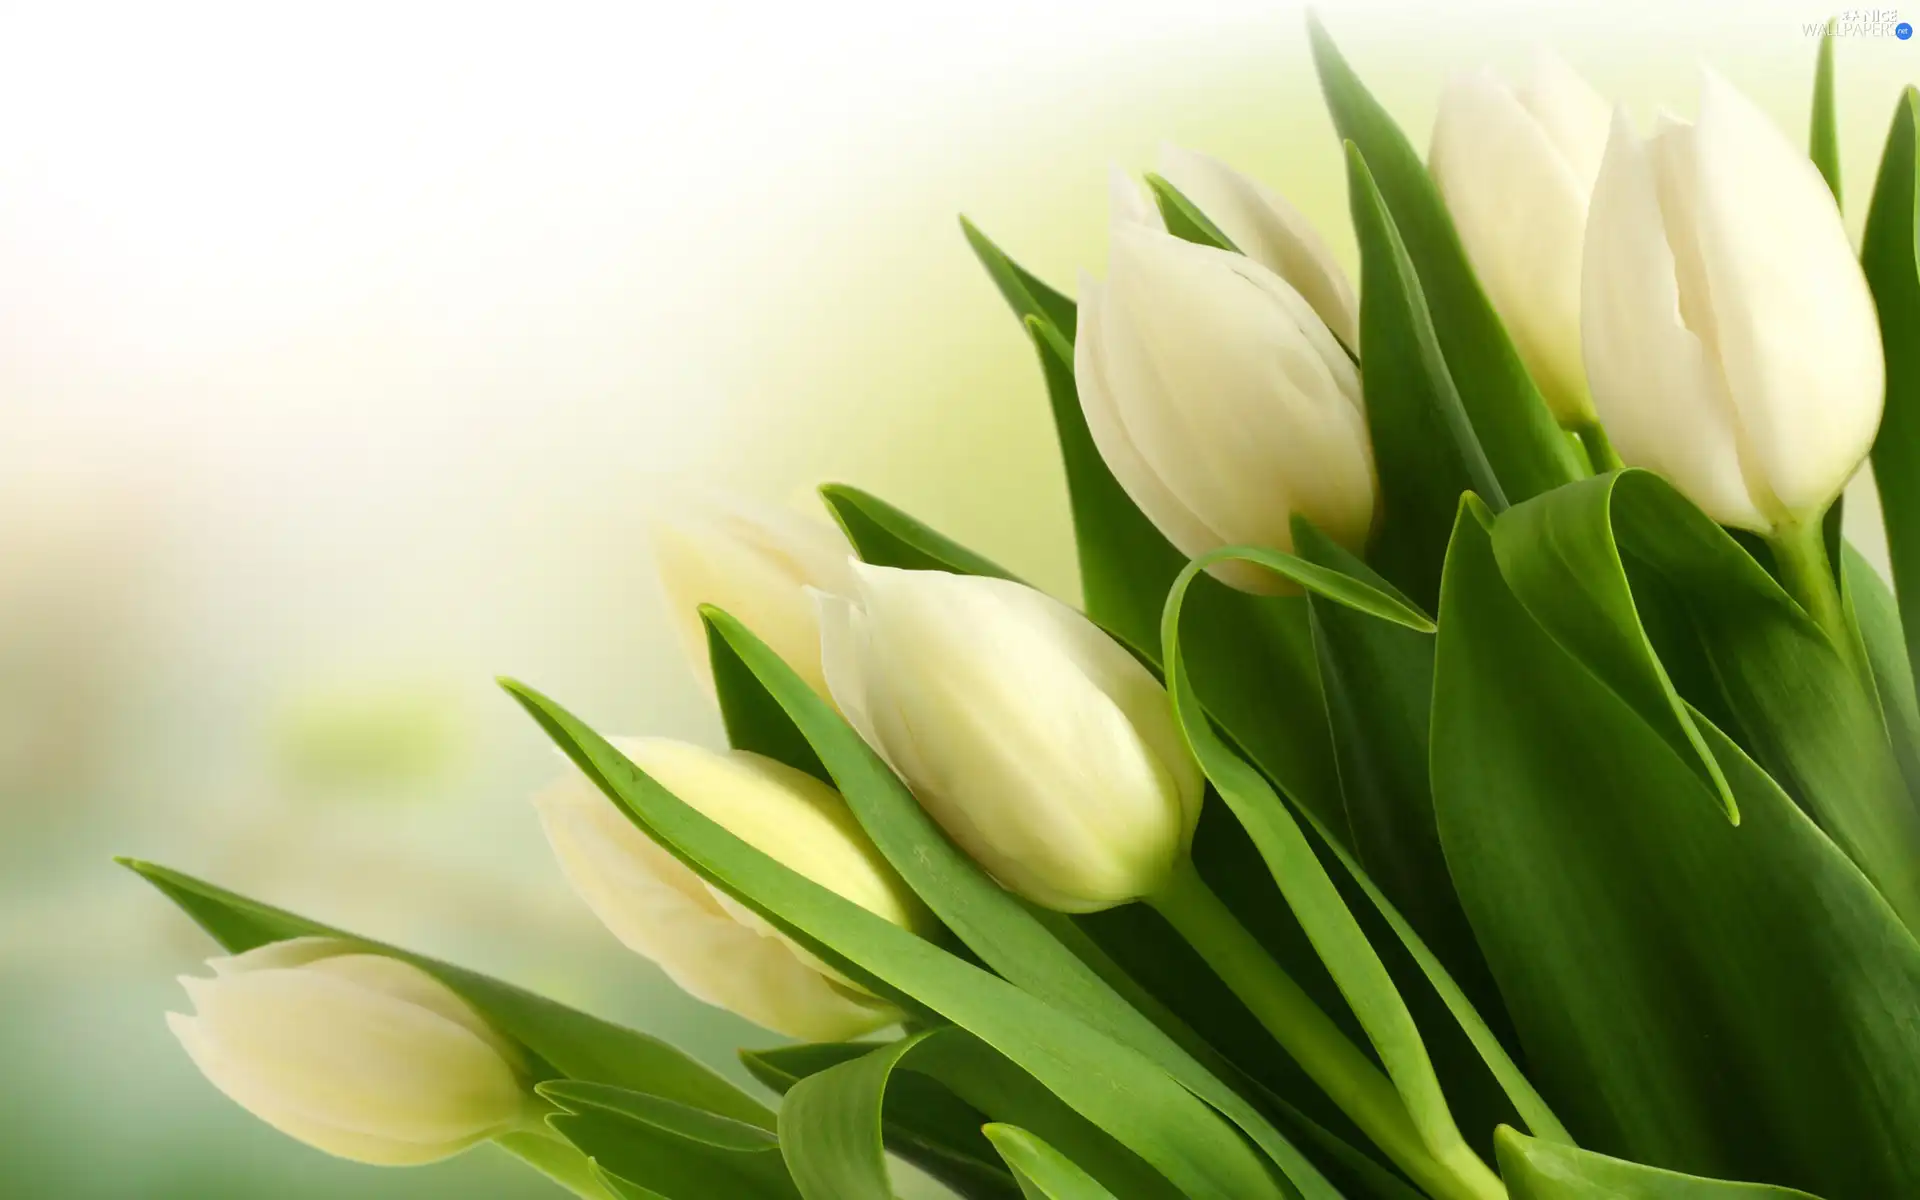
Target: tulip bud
1220, 401
1043, 748
756, 565
714, 948
1270, 231
1731, 341
357, 1054
1516, 166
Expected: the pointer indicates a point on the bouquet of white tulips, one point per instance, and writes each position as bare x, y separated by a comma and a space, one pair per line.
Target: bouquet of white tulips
1478, 766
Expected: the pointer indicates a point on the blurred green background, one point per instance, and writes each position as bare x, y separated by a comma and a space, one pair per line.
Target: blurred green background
345, 353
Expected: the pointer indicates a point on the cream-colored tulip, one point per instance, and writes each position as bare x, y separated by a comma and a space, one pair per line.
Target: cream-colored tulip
714, 948
1516, 165
756, 564
1044, 749
1731, 341
1269, 230
1220, 401
356, 1053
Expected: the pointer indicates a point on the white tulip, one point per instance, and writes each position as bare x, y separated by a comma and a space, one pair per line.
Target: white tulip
1731, 341
358, 1054
714, 948
1040, 745
1270, 231
1516, 166
756, 564
1220, 401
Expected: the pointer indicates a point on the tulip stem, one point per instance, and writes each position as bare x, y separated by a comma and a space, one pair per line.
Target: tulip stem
1348, 1077
1806, 572
1600, 451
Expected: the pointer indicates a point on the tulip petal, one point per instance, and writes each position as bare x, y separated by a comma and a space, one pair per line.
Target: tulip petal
1653, 381
1128, 201
1028, 765
1799, 341
661, 910
1270, 231
1239, 400
1520, 205
1169, 514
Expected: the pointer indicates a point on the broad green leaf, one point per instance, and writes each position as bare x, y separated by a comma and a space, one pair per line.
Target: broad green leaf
923, 1121
623, 1189
1424, 446
1544, 1171
885, 536
1044, 1173
1877, 615
1184, 219
1733, 1001
1805, 715
1005, 933
1890, 252
671, 1165
1110, 1084
1527, 450
1317, 903
831, 1122
569, 1043
1823, 141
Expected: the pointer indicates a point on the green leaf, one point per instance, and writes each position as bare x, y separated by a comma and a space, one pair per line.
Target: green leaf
1728, 1000
1890, 252
694, 1124
1806, 717
1315, 900
1527, 450
624, 1189
1877, 615
1824, 139
569, 1043
1113, 1086
559, 1160
1025, 292
1424, 446
1005, 933
1044, 1173
887, 537
1544, 1171
1184, 219
670, 1165
830, 1125
923, 1121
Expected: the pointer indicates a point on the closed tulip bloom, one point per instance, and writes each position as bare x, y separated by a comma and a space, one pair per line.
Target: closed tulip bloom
756, 564
1731, 341
1516, 165
714, 948
1041, 746
1220, 401
1269, 230
358, 1054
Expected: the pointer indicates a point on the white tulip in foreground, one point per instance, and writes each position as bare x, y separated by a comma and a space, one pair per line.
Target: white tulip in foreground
1043, 749
714, 948
1269, 230
358, 1054
1516, 165
756, 564
1220, 401
1730, 339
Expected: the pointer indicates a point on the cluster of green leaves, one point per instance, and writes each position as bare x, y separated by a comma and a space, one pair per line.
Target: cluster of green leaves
1558, 804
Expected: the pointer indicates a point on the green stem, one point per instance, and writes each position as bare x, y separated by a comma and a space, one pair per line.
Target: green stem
1600, 451
1348, 1077
1806, 572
